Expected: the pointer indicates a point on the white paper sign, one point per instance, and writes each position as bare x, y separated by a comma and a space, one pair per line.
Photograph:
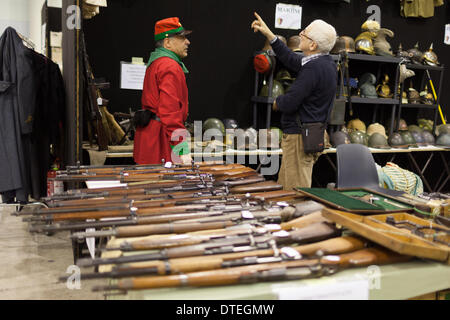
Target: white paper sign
288, 16
447, 34
344, 290
132, 76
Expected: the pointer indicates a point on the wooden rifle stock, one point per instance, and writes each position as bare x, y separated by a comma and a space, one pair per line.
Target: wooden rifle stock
304, 221
360, 258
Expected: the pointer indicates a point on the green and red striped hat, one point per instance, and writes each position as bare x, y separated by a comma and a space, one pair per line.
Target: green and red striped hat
169, 27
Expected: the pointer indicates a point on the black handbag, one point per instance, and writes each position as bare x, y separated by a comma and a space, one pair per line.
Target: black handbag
313, 136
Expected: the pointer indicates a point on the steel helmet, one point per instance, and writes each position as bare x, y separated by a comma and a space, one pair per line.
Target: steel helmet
277, 89
214, 123
443, 140
429, 138
358, 137
396, 141
279, 132
269, 139
344, 44
367, 85
283, 75
230, 124
413, 95
409, 139
426, 124
378, 141
443, 128
356, 125
418, 136
376, 128
402, 126
415, 128
430, 57
338, 138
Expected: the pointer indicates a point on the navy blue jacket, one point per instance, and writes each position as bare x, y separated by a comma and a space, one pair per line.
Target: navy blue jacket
312, 93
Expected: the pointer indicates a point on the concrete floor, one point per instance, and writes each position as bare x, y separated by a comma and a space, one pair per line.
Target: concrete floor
30, 264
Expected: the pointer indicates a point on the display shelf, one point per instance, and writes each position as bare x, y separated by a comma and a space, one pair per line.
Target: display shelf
259, 99
419, 105
373, 100
367, 57
424, 67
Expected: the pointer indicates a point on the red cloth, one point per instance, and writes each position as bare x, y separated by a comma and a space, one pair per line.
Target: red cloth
165, 93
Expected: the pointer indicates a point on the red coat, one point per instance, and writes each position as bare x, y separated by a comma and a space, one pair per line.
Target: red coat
165, 93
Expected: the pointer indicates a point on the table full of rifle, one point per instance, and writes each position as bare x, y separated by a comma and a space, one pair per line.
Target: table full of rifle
206, 224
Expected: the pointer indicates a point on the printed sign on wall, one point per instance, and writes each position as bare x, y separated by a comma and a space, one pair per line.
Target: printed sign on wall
447, 34
288, 16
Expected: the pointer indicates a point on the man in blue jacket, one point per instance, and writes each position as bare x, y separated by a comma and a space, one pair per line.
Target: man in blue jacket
309, 99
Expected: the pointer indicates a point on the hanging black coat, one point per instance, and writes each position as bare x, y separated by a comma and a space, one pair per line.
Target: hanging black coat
26, 129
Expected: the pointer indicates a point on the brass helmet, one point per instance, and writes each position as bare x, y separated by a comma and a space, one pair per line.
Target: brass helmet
383, 89
343, 43
364, 41
416, 54
378, 141
356, 125
277, 89
376, 128
382, 47
430, 58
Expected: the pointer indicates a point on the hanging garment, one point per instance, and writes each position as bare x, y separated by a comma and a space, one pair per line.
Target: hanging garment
419, 8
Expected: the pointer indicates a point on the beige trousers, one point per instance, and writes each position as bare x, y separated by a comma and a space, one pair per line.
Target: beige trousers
296, 166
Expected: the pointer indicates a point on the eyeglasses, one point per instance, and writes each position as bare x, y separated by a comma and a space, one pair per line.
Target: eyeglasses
302, 34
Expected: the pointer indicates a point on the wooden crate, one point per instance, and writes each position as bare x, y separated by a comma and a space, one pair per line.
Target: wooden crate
399, 240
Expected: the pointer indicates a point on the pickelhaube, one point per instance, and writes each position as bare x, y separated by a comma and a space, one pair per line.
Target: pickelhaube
381, 46
376, 128
277, 89
356, 125
430, 57
426, 97
443, 140
378, 141
429, 138
343, 44
358, 137
416, 54
413, 95
409, 139
396, 141
383, 89
403, 53
339, 137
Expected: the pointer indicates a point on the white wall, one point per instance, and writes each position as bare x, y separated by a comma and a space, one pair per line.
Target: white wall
24, 16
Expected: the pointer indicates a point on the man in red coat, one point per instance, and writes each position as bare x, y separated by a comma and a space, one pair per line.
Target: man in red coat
165, 94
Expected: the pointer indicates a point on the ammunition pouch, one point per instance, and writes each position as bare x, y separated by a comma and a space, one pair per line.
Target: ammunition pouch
142, 118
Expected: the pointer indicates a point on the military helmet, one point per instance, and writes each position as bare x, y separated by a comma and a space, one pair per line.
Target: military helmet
358, 137
214, 123
443, 128
381, 45
414, 128
409, 139
343, 44
429, 138
416, 54
338, 138
248, 141
267, 45
283, 75
443, 140
430, 58
277, 89
396, 141
378, 141
230, 124
293, 43
376, 128
263, 62
418, 137
402, 125
356, 125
